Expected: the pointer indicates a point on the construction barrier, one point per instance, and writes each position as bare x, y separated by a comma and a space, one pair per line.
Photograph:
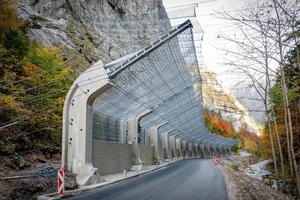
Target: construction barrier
60, 181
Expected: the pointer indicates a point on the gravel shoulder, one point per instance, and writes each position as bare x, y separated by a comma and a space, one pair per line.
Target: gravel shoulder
27, 177
241, 186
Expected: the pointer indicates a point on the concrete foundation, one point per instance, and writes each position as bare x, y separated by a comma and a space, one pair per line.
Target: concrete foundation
110, 157
146, 153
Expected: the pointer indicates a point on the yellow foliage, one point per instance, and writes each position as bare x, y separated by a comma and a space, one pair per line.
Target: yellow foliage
30, 68
60, 100
7, 101
8, 17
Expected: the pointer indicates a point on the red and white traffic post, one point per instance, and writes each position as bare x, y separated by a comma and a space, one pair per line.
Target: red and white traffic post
215, 160
60, 181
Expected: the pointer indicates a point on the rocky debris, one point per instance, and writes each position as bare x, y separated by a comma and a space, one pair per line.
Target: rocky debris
244, 187
29, 158
258, 170
27, 181
18, 162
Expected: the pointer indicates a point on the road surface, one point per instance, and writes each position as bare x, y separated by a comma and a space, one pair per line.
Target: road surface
185, 180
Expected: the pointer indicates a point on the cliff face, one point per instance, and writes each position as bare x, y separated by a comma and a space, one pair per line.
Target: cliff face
91, 30
216, 99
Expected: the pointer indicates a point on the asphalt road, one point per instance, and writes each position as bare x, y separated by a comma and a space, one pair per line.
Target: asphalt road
185, 180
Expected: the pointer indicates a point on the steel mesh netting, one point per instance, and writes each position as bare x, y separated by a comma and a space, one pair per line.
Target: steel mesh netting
164, 128
143, 136
166, 81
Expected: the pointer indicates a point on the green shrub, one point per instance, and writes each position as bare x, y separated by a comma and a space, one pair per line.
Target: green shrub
235, 167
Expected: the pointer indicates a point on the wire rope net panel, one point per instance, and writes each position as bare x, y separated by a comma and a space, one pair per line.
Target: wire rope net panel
165, 80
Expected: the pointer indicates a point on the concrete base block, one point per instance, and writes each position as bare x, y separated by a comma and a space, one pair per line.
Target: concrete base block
109, 157
146, 154
94, 179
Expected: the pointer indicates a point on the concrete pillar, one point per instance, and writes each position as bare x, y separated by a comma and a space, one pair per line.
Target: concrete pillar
218, 151
208, 150
196, 150
224, 150
166, 144
213, 149
201, 147
228, 151
190, 146
132, 138
162, 139
77, 122
184, 146
154, 140
179, 147
173, 146
201, 153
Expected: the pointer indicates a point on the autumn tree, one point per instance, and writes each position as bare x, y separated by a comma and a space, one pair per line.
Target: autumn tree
268, 30
33, 83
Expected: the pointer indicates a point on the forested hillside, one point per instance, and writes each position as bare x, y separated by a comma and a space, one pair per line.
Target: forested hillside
216, 124
33, 83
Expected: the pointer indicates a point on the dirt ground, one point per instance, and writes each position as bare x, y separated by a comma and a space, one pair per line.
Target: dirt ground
27, 177
243, 187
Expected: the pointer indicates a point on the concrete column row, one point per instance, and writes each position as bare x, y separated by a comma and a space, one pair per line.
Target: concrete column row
168, 145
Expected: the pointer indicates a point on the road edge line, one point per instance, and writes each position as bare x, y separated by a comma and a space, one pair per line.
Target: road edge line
70, 193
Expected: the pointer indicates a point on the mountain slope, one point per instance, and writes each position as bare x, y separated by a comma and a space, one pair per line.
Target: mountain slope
217, 100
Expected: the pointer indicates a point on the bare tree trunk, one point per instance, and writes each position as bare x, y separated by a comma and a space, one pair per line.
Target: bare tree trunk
288, 119
288, 142
273, 149
279, 146
297, 175
268, 99
275, 124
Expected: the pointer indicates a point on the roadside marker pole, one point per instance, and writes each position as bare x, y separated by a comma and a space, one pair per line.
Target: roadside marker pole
60, 181
215, 160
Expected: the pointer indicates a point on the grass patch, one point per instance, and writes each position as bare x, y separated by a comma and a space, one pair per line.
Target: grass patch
235, 167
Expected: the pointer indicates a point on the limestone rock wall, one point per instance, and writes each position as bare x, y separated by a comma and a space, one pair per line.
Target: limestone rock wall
230, 108
95, 30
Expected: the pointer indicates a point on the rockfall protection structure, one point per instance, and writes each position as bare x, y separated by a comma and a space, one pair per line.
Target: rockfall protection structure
136, 110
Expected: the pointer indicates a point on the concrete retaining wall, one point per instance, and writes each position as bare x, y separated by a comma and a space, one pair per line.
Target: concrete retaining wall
146, 153
111, 157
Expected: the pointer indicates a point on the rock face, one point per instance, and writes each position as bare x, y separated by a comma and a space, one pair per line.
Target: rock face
216, 99
91, 30
94, 30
